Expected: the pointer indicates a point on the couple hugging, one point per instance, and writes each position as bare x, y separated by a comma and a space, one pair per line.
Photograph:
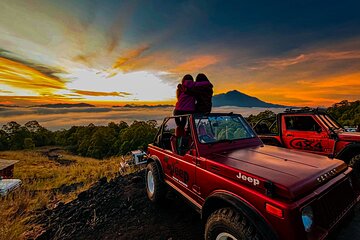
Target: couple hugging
194, 97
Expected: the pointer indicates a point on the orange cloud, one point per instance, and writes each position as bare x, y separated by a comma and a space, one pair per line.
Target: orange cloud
160, 61
129, 56
87, 59
351, 80
311, 91
92, 93
19, 75
5, 91
315, 56
195, 64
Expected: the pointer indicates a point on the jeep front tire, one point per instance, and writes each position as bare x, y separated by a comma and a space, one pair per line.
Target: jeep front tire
226, 224
155, 187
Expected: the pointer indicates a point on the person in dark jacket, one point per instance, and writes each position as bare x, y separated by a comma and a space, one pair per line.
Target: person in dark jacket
203, 94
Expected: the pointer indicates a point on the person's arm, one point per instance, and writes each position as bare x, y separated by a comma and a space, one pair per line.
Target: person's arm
198, 89
179, 89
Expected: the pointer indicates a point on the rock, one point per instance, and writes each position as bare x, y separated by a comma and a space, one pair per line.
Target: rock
137, 179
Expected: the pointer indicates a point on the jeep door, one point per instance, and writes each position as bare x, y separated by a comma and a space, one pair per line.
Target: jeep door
304, 132
178, 163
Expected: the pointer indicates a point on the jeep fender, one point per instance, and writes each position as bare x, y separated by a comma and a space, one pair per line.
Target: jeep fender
348, 152
225, 199
155, 159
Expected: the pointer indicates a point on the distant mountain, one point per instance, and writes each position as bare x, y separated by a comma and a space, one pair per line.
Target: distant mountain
8, 106
239, 99
66, 105
146, 106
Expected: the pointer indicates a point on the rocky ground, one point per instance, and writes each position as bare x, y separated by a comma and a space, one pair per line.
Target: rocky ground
119, 209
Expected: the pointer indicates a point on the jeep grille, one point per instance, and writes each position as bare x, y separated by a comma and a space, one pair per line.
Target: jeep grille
332, 205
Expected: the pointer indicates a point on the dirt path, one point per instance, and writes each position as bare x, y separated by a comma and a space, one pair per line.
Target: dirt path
119, 209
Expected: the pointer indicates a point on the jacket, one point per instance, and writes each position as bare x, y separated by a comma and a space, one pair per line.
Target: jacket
203, 96
186, 101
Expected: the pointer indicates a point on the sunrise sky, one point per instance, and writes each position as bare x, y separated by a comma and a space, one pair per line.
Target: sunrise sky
116, 52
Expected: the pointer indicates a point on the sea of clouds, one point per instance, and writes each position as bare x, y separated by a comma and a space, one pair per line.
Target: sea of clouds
64, 118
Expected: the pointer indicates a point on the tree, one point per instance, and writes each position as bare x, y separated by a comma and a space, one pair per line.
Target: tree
4, 141
16, 141
346, 113
253, 119
40, 135
101, 142
11, 127
33, 126
28, 143
138, 135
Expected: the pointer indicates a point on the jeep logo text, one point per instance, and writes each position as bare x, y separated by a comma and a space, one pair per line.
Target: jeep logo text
248, 179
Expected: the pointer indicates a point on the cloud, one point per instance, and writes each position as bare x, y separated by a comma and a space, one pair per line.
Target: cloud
195, 63
23, 75
350, 80
48, 71
65, 118
5, 91
154, 61
315, 56
29, 100
87, 59
130, 55
93, 93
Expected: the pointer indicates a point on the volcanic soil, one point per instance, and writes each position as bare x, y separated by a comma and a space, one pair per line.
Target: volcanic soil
119, 209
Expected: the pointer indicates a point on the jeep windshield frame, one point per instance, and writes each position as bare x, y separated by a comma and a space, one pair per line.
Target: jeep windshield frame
220, 128
330, 122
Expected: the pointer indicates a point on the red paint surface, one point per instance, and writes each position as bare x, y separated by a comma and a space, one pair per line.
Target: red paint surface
241, 168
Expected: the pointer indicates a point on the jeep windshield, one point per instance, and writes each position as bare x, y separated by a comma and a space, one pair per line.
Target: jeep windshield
222, 128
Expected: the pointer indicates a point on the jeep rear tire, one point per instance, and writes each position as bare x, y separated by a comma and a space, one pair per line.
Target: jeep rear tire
155, 187
226, 224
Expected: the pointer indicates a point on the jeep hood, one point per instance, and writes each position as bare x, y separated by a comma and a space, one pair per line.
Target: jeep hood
290, 173
349, 136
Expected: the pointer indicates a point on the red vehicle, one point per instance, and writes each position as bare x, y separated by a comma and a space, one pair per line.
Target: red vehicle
243, 189
311, 130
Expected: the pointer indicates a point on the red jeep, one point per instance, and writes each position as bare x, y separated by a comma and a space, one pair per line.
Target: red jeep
243, 189
311, 130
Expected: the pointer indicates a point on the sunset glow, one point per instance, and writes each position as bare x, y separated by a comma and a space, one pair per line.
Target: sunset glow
112, 53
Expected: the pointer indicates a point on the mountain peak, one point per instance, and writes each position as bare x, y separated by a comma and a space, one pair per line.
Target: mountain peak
238, 99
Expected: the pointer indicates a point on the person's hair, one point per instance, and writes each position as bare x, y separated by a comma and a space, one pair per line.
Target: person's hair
201, 78
187, 77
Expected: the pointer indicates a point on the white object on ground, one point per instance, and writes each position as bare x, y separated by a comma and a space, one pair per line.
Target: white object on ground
7, 185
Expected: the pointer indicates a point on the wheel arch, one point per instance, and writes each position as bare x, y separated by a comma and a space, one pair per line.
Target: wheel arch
223, 199
154, 158
348, 152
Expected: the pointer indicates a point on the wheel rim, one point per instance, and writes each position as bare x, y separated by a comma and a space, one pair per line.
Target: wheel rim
225, 236
150, 182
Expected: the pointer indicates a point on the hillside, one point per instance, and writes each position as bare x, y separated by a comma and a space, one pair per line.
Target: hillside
239, 99
65, 105
119, 209
46, 183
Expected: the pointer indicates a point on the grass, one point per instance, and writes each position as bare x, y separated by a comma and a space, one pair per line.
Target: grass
41, 181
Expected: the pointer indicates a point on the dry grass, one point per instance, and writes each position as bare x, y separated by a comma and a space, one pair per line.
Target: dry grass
41, 178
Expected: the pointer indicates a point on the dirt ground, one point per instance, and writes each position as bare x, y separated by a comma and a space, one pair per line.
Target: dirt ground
119, 209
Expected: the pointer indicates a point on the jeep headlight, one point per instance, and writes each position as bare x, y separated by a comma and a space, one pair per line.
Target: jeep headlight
307, 216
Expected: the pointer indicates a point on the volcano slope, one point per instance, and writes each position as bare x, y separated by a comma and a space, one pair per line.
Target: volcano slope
119, 209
